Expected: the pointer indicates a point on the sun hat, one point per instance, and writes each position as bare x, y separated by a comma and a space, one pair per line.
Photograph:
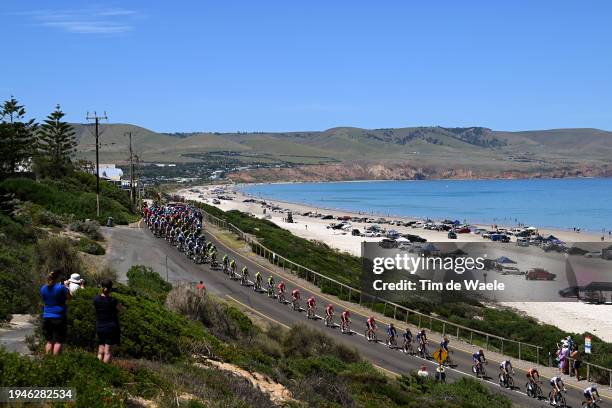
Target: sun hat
75, 278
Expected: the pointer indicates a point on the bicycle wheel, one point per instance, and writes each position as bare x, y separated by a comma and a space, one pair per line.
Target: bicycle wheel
510, 382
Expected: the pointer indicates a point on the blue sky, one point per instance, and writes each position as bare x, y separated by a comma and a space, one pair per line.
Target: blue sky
288, 65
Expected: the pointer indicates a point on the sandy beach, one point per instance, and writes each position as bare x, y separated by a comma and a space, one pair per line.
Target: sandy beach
571, 316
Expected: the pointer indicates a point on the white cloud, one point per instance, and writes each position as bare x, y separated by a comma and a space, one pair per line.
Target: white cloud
85, 21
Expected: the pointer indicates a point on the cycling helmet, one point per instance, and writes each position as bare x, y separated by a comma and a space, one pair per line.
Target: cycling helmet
330, 305
594, 387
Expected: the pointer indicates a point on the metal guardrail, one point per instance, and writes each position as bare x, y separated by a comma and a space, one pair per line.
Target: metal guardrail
491, 342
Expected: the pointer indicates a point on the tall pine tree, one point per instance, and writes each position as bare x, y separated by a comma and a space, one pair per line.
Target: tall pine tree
17, 138
56, 144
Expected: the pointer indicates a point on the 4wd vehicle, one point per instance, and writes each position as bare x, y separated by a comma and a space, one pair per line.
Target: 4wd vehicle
539, 274
452, 235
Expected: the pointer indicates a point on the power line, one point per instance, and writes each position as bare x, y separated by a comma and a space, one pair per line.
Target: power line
97, 119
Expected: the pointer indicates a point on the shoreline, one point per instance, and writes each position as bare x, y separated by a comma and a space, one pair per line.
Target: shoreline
594, 234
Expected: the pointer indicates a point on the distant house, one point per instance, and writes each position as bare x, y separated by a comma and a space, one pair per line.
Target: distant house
113, 174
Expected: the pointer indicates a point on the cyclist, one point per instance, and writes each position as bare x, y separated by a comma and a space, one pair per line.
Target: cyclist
270, 286
444, 347
407, 336
588, 393
557, 386
421, 339
505, 369
312, 304
258, 279
245, 275
371, 323
225, 262
232, 266
533, 376
391, 335
444, 344
329, 314
478, 358
295, 299
345, 318
281, 292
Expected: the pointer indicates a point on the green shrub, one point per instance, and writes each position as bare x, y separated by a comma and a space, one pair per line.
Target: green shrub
56, 252
69, 197
90, 247
148, 330
222, 320
89, 228
146, 281
95, 383
18, 284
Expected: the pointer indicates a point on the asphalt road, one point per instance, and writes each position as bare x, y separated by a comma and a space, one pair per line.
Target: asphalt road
130, 246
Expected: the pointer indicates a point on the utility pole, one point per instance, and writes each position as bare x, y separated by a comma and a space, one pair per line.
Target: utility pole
97, 119
132, 191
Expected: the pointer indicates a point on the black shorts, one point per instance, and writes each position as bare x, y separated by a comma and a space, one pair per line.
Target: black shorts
54, 329
577, 364
109, 336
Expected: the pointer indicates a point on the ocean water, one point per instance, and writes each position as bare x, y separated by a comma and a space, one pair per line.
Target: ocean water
561, 203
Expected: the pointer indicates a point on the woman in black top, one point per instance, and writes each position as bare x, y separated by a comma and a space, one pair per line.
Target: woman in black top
107, 321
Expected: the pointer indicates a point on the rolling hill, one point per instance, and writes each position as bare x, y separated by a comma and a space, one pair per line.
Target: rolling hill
432, 151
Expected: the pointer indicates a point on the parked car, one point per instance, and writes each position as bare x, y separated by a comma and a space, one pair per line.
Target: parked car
371, 234
452, 235
523, 242
464, 230
327, 217
355, 232
414, 238
539, 274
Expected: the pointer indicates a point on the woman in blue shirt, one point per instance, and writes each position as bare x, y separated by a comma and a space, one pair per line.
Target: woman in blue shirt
54, 295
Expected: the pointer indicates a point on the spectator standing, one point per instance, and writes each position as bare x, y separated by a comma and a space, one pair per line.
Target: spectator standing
201, 288
107, 322
54, 295
576, 362
75, 283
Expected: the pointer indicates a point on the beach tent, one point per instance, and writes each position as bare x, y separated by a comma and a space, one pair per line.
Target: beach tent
504, 260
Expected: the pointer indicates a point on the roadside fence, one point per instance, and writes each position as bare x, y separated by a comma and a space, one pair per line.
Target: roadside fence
489, 342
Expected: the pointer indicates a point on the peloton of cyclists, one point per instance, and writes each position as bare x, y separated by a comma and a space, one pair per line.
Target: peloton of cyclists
329, 315
312, 305
371, 328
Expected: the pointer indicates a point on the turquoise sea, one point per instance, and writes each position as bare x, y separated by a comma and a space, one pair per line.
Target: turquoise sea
561, 203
